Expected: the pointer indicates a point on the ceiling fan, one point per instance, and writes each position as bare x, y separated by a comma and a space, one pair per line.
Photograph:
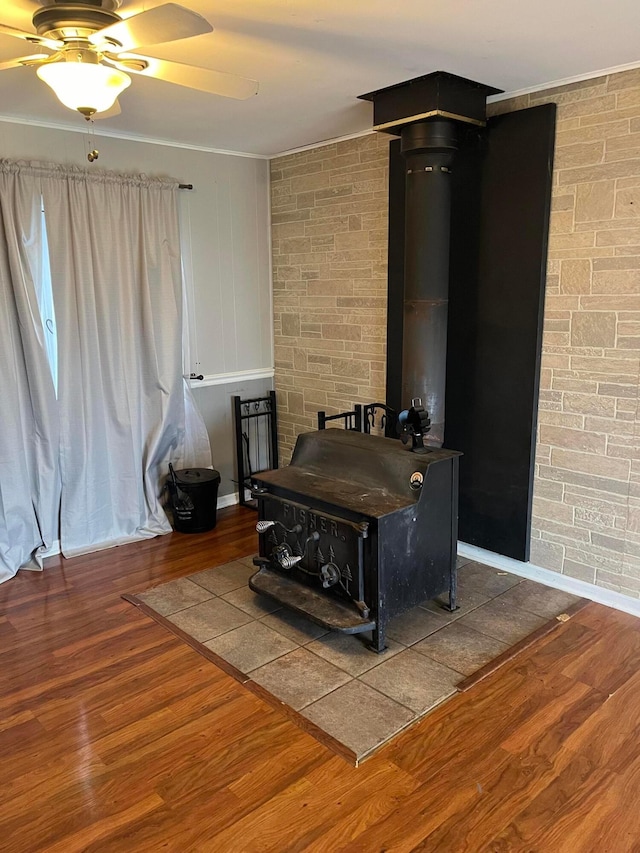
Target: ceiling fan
87, 58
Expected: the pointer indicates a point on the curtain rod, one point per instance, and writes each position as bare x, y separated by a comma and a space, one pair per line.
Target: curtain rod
185, 186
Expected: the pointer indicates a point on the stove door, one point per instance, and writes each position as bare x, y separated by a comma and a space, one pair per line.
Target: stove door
315, 547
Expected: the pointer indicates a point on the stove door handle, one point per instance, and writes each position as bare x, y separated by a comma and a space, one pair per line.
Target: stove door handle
362, 608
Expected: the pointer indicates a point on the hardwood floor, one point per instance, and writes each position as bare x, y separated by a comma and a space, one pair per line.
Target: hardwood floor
116, 736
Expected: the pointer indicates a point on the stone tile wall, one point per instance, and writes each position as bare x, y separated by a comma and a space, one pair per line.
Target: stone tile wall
587, 488
330, 316
329, 214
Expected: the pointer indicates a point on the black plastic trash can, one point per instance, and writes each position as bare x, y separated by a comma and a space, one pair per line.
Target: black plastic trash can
194, 499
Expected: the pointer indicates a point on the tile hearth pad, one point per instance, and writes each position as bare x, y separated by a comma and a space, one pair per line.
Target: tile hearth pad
359, 699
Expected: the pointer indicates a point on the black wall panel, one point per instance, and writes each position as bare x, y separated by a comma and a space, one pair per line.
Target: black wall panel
396, 276
500, 217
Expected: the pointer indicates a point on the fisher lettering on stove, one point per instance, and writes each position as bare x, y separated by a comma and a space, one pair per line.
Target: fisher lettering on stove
313, 520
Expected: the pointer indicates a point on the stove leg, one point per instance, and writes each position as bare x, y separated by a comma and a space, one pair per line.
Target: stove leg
377, 643
453, 591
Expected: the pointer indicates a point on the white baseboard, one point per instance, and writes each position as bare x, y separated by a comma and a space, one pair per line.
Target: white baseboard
227, 500
526, 570
554, 579
223, 501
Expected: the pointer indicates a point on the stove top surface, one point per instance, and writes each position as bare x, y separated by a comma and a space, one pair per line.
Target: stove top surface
361, 473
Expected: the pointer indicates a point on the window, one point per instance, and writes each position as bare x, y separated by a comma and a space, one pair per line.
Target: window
44, 292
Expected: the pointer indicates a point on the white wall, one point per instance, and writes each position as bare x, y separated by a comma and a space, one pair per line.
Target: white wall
227, 261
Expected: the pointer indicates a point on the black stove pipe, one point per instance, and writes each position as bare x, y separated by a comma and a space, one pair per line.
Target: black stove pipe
429, 148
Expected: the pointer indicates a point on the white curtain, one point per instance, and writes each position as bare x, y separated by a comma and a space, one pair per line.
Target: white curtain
89, 467
115, 266
29, 475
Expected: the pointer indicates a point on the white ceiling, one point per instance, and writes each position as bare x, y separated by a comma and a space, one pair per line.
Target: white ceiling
313, 59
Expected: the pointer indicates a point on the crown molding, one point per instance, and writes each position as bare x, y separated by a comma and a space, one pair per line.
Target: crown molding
565, 81
322, 142
150, 140
505, 96
130, 137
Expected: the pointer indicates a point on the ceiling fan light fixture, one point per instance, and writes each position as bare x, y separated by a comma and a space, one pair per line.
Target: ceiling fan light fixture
87, 87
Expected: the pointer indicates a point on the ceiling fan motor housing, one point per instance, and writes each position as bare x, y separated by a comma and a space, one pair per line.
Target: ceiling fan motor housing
75, 20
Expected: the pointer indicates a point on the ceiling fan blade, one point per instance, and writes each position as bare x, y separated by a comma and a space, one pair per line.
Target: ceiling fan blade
110, 113
30, 37
202, 79
169, 22
35, 59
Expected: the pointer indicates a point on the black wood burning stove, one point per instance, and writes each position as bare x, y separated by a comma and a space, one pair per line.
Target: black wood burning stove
357, 529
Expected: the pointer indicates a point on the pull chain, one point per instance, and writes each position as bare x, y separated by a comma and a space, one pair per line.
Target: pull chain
91, 144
